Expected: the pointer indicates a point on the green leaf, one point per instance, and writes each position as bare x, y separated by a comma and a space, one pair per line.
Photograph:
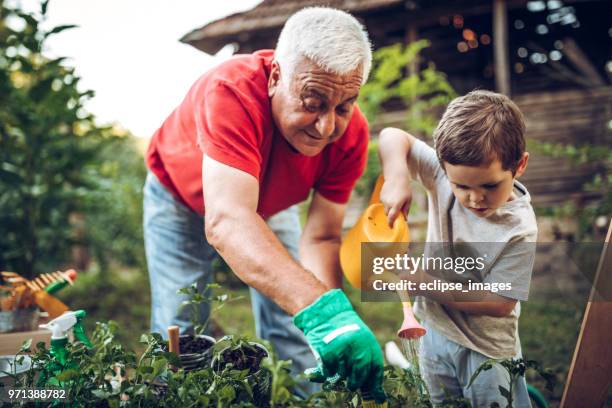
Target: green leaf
504, 392
25, 347
43, 7
101, 394
60, 28
487, 365
67, 375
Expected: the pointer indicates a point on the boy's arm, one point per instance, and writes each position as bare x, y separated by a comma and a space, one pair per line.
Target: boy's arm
500, 307
473, 302
512, 268
394, 150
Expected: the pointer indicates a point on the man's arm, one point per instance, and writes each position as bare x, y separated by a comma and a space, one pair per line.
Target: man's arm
320, 242
246, 243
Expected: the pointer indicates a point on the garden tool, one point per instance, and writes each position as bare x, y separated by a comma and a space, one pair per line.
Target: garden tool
173, 341
50, 282
40, 287
373, 227
49, 303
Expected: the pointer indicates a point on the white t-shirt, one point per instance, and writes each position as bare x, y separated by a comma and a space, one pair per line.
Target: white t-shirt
506, 241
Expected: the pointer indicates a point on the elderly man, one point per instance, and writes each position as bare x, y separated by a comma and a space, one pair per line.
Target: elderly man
251, 139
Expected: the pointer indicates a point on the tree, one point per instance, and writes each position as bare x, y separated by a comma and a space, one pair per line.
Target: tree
51, 150
423, 94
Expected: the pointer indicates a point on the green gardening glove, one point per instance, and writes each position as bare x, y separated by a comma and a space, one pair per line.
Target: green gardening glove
342, 343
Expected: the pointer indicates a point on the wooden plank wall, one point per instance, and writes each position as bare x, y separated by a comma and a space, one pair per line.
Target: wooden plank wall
571, 117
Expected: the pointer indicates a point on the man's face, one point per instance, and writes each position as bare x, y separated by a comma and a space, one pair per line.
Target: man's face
311, 107
483, 189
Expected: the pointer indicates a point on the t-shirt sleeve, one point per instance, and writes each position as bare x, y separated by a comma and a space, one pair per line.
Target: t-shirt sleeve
424, 165
226, 131
338, 182
514, 266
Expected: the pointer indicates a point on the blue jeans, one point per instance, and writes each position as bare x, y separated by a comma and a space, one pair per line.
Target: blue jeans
447, 367
179, 255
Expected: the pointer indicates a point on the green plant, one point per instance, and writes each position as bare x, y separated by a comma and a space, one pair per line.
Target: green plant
111, 375
113, 210
516, 368
209, 296
57, 166
420, 92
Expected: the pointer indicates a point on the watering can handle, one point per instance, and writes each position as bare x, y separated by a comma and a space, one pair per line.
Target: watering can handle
375, 197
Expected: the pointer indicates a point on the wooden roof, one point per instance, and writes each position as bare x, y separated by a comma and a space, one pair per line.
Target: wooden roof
270, 14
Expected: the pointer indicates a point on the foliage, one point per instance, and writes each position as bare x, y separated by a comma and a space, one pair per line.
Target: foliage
113, 210
46, 142
423, 94
600, 183
516, 368
420, 92
55, 163
209, 295
111, 375
366, 182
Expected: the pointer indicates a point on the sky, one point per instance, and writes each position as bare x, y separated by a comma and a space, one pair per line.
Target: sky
128, 52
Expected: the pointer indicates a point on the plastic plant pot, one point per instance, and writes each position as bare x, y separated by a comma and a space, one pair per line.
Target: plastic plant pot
196, 351
27, 319
9, 366
7, 321
242, 358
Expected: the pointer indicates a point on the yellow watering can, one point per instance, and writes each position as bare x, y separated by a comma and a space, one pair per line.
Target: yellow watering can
372, 226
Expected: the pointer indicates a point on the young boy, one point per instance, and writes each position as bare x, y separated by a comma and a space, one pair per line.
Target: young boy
476, 202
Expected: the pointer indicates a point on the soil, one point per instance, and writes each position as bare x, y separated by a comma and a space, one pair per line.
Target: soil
244, 358
188, 343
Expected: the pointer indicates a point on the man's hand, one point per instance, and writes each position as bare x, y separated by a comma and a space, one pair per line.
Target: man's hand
343, 343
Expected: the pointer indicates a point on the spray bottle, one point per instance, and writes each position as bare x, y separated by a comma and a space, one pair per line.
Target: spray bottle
72, 320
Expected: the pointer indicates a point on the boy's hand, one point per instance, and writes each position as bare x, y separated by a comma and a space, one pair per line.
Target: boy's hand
396, 196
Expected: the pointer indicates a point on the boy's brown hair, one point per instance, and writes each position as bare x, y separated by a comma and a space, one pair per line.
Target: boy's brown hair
480, 127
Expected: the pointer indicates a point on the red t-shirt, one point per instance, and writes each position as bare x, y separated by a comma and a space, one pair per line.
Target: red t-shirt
227, 116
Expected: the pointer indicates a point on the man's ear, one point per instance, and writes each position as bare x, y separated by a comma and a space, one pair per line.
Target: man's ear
274, 78
522, 165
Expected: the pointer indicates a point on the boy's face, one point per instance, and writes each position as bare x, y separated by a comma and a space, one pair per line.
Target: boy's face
483, 189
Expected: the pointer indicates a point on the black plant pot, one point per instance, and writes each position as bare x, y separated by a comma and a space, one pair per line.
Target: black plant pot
196, 351
240, 359
251, 359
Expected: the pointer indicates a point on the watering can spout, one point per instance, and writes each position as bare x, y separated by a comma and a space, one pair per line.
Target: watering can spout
410, 329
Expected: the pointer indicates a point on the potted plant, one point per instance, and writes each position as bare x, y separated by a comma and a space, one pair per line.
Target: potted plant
196, 349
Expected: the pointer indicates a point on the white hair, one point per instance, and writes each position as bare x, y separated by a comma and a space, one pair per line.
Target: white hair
332, 39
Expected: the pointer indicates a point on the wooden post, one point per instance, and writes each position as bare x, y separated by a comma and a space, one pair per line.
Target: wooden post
500, 47
590, 373
412, 36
